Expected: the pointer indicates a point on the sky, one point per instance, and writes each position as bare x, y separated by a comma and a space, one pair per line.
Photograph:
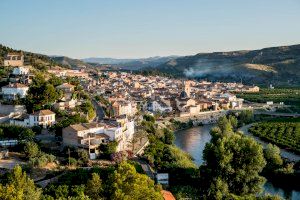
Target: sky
144, 28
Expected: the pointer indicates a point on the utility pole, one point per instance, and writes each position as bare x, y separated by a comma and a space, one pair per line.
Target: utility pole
69, 153
89, 145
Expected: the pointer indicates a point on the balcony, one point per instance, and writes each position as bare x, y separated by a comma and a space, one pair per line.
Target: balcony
92, 140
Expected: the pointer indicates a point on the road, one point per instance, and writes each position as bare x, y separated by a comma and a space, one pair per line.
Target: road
99, 110
278, 114
146, 167
10, 163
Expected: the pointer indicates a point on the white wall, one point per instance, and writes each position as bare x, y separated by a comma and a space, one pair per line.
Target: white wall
15, 91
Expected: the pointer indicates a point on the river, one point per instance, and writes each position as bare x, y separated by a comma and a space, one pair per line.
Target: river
193, 141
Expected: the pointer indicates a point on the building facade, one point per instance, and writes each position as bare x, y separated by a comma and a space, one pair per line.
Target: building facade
12, 91
14, 59
91, 135
44, 118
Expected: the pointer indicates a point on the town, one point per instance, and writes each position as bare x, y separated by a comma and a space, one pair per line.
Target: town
117, 98
149, 100
56, 120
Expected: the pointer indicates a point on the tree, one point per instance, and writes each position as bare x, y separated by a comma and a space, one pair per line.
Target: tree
31, 149
88, 108
1, 133
40, 93
148, 126
50, 94
149, 118
273, 158
94, 187
128, 184
55, 81
61, 191
27, 134
19, 187
169, 136
225, 125
233, 121
233, 163
83, 156
108, 149
245, 117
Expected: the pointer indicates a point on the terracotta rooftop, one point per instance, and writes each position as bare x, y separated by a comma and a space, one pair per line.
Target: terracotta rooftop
76, 127
65, 85
15, 85
84, 126
15, 54
43, 112
167, 195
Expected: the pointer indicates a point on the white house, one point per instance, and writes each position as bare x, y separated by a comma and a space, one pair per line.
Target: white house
44, 118
158, 106
22, 70
238, 103
63, 105
12, 91
228, 96
66, 87
91, 135
21, 120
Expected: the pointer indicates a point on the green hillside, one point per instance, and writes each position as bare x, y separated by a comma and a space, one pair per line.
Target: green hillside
70, 62
43, 62
38, 61
276, 65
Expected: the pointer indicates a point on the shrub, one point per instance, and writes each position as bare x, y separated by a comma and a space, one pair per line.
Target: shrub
72, 161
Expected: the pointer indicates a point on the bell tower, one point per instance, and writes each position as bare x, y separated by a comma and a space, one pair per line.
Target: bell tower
187, 88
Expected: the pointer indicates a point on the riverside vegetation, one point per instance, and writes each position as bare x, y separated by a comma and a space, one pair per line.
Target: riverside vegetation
234, 163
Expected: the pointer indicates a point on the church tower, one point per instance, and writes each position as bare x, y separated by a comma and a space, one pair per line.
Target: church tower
187, 88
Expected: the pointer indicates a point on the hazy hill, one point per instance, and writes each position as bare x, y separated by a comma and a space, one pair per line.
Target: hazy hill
70, 62
277, 65
131, 64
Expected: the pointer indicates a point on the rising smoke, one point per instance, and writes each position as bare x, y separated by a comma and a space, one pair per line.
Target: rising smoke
215, 68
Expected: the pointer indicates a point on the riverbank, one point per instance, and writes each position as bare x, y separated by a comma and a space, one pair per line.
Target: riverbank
291, 156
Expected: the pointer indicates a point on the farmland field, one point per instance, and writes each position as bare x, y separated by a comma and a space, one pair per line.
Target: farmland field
282, 133
290, 96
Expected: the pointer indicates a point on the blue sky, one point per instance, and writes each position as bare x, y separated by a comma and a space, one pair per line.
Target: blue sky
143, 28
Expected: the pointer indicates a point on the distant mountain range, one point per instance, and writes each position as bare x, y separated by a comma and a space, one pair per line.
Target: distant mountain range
70, 62
131, 64
275, 65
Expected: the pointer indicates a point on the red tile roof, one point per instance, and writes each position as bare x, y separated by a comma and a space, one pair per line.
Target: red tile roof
43, 112
167, 195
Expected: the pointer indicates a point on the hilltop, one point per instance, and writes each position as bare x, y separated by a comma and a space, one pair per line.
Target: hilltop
40, 61
131, 64
70, 62
276, 65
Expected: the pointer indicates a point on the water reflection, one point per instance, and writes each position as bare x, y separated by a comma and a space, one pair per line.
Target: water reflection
193, 140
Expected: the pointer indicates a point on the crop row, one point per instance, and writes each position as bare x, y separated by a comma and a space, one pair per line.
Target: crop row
284, 134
